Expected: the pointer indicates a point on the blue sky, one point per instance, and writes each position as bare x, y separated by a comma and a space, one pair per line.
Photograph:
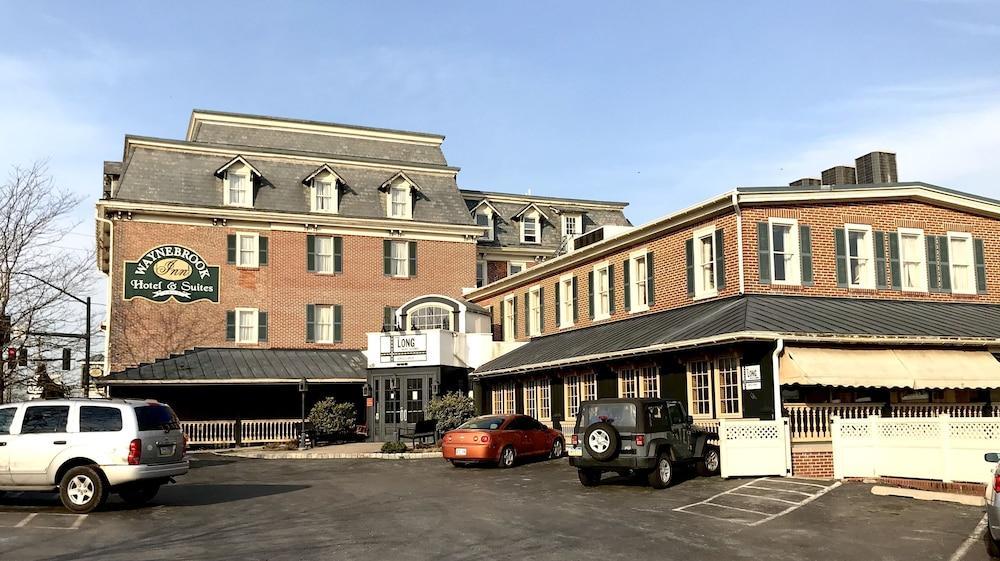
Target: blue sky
659, 104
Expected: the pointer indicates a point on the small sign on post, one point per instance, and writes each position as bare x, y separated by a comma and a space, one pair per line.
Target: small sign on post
751, 377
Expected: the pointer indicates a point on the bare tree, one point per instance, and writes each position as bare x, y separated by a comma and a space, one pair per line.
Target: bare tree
35, 269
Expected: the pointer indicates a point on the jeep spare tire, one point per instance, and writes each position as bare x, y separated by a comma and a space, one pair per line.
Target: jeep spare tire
602, 441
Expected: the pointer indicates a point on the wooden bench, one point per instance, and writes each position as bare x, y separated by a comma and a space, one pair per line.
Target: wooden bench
421, 430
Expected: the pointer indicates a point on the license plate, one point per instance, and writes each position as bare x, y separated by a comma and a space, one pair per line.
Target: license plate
461, 451
574, 452
166, 449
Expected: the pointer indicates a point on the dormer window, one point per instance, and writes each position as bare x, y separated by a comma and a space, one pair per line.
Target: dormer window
572, 225
484, 218
400, 192
324, 185
237, 182
530, 229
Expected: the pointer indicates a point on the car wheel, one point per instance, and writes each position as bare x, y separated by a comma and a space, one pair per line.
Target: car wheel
557, 448
589, 477
709, 464
663, 474
602, 441
507, 457
139, 493
992, 546
82, 489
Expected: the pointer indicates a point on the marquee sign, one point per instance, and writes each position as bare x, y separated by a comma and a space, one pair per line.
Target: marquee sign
171, 271
403, 348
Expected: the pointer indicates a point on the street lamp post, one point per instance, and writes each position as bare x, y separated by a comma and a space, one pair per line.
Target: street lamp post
303, 388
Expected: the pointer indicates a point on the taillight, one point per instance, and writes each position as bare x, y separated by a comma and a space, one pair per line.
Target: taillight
475, 438
575, 440
640, 440
996, 483
134, 452
450, 438
485, 438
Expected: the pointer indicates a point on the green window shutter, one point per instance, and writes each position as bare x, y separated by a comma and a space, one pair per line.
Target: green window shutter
626, 286
262, 326
513, 326
262, 250
338, 323
503, 310
611, 288
558, 311
945, 263
979, 249
231, 249
764, 252
840, 247
590, 294
230, 325
541, 309
311, 253
689, 260
388, 321
527, 313
720, 259
413, 259
806, 255
310, 323
576, 300
386, 257
650, 287
880, 260
894, 267
338, 254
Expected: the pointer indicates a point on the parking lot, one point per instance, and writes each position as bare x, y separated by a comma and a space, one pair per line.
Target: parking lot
425, 509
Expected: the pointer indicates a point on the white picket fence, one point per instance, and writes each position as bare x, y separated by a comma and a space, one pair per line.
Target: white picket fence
942, 448
245, 431
751, 447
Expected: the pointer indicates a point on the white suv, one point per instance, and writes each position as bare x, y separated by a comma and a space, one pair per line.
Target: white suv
87, 448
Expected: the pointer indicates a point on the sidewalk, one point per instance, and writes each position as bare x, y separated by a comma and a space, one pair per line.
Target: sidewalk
352, 451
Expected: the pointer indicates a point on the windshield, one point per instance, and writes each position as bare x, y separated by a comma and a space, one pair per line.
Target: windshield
621, 415
156, 417
483, 423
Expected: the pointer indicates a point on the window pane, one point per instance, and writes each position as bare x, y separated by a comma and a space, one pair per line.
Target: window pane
700, 387
156, 417
245, 321
431, 317
855, 240
42, 419
100, 419
729, 386
6, 418
324, 324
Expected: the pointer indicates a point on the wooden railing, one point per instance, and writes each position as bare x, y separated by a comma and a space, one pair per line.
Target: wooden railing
812, 421
238, 433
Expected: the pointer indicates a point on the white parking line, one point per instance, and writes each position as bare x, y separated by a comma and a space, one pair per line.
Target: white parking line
755, 484
27, 519
24, 523
969, 541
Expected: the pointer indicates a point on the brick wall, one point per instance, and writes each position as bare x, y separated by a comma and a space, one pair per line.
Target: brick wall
812, 463
887, 216
141, 331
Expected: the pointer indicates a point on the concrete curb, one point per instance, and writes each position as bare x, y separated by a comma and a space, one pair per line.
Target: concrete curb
969, 500
308, 455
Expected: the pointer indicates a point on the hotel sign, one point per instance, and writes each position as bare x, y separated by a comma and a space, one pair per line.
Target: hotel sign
403, 348
171, 271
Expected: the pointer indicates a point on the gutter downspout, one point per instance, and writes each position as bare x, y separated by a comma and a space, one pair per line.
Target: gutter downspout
778, 348
110, 292
739, 238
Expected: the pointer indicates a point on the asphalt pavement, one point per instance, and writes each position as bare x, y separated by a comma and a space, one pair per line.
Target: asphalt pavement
248, 509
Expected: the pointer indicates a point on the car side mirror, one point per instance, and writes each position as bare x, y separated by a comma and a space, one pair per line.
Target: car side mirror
992, 457
689, 419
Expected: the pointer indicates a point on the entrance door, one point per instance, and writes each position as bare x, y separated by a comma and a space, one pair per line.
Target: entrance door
402, 401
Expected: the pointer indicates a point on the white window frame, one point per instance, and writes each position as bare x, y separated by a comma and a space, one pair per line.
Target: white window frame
254, 261
638, 284
534, 217
328, 179
503, 398
708, 386
481, 266
700, 289
720, 398
715, 400
970, 264
535, 311
406, 189
639, 382
254, 313
319, 309
538, 399
448, 315
319, 254
602, 292
868, 282
507, 317
579, 388
793, 265
566, 301
510, 265
238, 170
921, 259
485, 211
400, 262
578, 218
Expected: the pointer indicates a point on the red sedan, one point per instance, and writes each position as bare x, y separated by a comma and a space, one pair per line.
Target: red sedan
501, 439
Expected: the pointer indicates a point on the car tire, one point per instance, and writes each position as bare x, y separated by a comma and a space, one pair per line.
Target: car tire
992, 546
602, 441
558, 449
138, 494
710, 462
589, 477
507, 457
82, 489
662, 474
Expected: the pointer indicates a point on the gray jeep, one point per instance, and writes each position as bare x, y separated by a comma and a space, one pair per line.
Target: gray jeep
646, 436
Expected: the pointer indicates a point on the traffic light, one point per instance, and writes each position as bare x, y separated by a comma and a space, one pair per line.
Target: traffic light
11, 356
65, 359
22, 357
